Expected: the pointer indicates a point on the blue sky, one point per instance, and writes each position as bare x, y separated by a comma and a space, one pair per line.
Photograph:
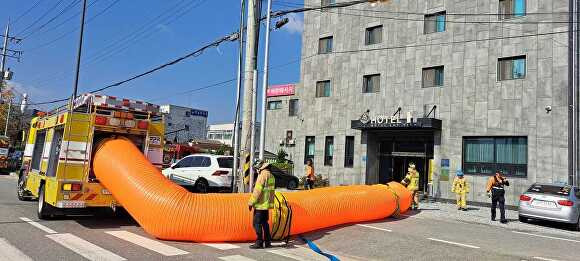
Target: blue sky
129, 38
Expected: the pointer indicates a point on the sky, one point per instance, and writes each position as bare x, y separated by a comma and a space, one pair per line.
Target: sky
124, 38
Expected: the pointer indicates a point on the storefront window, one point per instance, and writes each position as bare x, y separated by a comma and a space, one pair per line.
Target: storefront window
485, 155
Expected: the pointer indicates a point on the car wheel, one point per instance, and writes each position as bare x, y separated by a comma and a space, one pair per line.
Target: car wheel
45, 211
292, 184
201, 186
522, 219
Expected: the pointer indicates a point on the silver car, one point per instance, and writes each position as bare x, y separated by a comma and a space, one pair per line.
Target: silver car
552, 202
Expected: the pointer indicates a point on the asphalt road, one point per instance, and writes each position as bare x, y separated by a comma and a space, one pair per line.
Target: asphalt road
412, 237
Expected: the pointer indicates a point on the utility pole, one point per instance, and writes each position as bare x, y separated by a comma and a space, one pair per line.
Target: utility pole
265, 83
8, 117
252, 36
236, 141
5, 49
79, 52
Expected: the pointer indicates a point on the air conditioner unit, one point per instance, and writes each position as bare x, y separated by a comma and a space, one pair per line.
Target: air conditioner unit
291, 142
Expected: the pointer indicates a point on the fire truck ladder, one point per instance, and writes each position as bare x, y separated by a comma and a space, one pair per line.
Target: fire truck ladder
88, 137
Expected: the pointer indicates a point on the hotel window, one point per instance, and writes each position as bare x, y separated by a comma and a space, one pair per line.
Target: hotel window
325, 45
511, 68
293, 107
433, 76
309, 146
323, 89
274, 105
327, 2
434, 23
374, 35
371, 83
328, 150
485, 155
349, 152
511, 8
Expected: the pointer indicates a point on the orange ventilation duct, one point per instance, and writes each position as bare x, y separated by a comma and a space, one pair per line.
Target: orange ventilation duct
168, 211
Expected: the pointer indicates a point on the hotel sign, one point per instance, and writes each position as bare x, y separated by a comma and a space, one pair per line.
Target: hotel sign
280, 90
368, 121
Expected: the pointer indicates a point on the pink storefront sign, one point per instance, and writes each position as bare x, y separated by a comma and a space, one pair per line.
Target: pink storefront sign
280, 90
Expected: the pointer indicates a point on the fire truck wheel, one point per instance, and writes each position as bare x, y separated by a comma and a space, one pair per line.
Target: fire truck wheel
201, 186
45, 211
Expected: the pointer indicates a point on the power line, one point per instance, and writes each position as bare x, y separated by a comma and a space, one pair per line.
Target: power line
230, 37
374, 10
64, 10
326, 9
26, 12
41, 17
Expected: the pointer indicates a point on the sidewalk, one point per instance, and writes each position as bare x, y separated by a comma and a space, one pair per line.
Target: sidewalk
481, 215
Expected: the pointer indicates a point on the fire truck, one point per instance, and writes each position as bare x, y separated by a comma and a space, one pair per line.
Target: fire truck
58, 155
174, 152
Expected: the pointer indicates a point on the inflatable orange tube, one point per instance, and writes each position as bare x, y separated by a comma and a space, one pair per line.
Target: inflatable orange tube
168, 211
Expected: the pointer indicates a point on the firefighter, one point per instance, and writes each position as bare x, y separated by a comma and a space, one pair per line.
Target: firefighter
261, 200
460, 188
411, 181
495, 190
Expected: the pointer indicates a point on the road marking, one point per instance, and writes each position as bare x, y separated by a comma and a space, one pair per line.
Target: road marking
545, 259
236, 258
10, 253
84, 248
38, 225
299, 253
536, 235
222, 246
148, 243
410, 216
453, 243
377, 228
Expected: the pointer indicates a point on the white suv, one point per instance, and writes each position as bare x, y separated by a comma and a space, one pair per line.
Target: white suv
202, 172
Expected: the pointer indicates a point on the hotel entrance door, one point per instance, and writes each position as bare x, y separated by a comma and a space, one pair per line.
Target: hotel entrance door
395, 157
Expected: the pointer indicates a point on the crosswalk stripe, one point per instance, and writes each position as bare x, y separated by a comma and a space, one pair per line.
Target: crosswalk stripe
236, 258
150, 244
38, 225
84, 248
222, 246
299, 253
10, 253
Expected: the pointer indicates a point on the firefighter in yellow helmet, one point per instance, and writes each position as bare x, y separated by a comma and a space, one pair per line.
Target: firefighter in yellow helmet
261, 200
460, 188
412, 183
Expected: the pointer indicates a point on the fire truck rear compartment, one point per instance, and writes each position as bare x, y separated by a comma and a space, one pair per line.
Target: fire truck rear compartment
100, 136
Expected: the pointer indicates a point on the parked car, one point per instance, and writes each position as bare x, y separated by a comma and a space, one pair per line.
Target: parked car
202, 172
283, 179
552, 202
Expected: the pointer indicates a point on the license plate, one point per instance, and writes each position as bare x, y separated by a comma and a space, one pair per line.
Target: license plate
105, 192
543, 204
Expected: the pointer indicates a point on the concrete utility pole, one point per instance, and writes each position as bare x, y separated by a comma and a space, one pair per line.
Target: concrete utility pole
4, 50
265, 83
252, 36
79, 51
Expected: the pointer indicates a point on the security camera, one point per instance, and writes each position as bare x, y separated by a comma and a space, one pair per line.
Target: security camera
548, 109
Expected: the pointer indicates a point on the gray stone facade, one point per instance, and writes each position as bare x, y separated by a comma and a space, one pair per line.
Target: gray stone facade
471, 102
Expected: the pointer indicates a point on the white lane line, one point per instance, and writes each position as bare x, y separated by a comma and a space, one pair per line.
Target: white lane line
299, 253
544, 259
38, 225
222, 246
148, 243
236, 258
410, 216
373, 227
84, 248
10, 253
453, 243
536, 235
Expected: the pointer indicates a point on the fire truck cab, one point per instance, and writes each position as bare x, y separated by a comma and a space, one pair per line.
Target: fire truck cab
57, 161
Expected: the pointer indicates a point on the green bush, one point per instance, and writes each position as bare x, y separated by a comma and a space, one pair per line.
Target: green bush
283, 166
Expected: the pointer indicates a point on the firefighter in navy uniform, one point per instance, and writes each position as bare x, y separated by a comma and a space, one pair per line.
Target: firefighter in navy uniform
496, 190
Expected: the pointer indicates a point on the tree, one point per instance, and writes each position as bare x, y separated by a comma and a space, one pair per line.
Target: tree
15, 123
281, 156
